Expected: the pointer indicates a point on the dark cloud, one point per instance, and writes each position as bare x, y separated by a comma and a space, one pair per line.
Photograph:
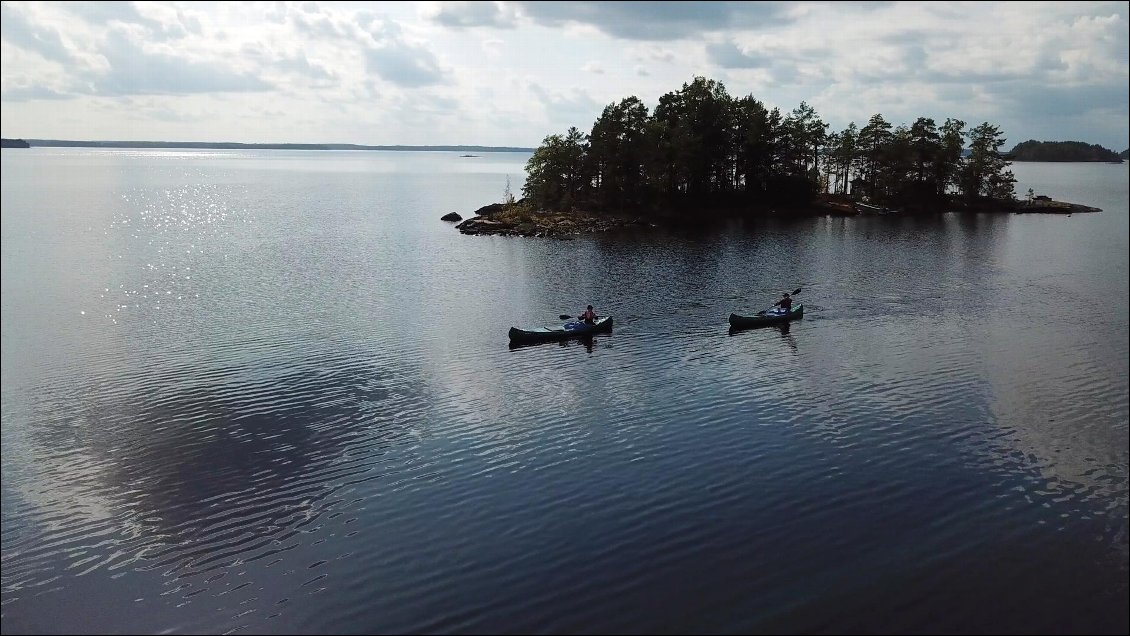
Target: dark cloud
174, 115
300, 65
575, 108
319, 25
472, 14
134, 71
190, 23
18, 31
659, 20
296, 64
103, 13
395, 60
404, 64
31, 93
276, 13
106, 12
1030, 100
728, 55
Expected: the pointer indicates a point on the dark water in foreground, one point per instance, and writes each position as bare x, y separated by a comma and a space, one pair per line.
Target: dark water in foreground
271, 392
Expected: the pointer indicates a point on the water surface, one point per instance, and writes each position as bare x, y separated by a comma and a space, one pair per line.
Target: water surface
270, 391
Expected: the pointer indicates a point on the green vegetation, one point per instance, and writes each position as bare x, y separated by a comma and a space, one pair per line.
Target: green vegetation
1125, 154
701, 149
1033, 150
14, 143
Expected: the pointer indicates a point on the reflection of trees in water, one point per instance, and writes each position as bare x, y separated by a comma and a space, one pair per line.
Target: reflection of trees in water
199, 468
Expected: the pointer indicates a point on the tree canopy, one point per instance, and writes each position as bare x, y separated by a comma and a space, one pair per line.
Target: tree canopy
701, 148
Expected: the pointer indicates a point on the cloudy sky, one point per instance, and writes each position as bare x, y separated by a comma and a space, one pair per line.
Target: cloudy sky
509, 73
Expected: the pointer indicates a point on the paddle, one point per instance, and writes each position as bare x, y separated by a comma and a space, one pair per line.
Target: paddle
765, 311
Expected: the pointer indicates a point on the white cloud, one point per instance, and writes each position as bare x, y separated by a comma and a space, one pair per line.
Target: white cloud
671, 20
509, 73
470, 14
404, 64
134, 70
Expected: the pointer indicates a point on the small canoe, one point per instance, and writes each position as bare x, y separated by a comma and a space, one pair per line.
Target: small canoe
563, 332
768, 318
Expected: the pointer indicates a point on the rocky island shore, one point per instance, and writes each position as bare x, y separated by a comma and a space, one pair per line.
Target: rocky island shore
522, 218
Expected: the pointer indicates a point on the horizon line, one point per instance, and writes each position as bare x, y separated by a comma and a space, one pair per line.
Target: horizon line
116, 143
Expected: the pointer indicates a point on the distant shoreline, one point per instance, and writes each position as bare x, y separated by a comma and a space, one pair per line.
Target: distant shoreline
209, 145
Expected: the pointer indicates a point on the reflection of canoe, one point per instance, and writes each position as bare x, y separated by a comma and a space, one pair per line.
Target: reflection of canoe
768, 318
564, 332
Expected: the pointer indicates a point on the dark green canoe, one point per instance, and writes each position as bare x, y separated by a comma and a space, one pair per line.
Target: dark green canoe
564, 332
768, 318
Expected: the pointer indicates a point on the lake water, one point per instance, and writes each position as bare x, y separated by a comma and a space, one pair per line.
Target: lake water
272, 392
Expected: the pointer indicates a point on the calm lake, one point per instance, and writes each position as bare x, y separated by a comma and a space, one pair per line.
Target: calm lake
271, 392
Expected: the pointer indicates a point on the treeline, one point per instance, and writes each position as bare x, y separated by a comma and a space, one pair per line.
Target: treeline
701, 148
1033, 150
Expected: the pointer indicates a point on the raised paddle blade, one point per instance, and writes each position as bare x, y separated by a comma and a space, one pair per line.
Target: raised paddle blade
796, 292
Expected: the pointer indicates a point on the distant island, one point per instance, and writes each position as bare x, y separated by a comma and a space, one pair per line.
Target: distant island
1125, 154
14, 143
1033, 150
703, 154
208, 145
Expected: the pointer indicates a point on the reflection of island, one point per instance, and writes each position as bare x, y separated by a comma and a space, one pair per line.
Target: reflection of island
14, 143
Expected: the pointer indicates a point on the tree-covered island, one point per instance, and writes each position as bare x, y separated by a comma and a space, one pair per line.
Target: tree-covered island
702, 153
1033, 150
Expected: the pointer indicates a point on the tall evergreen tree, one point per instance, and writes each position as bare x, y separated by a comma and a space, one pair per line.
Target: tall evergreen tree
985, 173
874, 140
618, 153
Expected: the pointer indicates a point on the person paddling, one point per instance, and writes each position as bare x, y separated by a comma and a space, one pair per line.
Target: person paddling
785, 303
587, 315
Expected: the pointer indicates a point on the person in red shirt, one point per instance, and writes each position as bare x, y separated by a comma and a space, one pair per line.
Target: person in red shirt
587, 315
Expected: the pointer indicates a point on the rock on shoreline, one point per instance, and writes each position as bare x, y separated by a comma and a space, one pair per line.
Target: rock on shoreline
1048, 206
520, 219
